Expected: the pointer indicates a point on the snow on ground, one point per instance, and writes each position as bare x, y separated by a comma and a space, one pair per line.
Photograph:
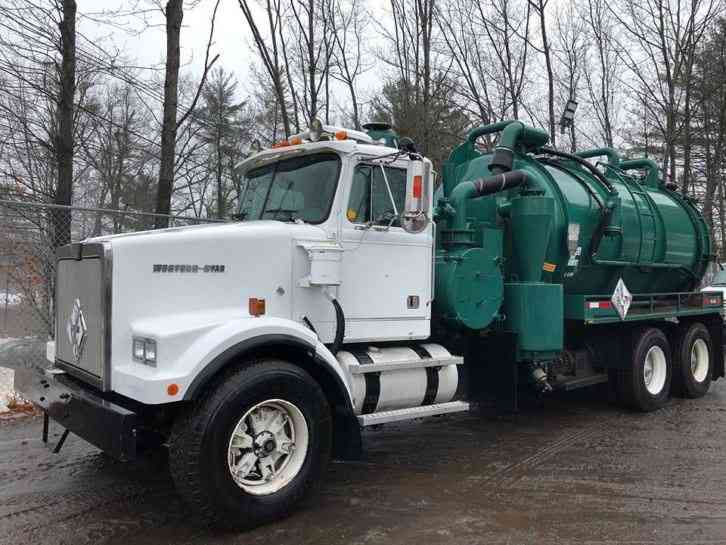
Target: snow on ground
6, 377
10, 299
6, 387
17, 353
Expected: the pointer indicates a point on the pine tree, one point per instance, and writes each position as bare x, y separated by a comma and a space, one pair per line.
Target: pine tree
226, 126
447, 121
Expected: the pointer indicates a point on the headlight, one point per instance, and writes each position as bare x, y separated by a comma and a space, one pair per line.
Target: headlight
138, 349
144, 350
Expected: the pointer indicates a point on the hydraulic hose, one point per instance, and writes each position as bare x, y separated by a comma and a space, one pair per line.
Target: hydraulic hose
478, 188
595, 172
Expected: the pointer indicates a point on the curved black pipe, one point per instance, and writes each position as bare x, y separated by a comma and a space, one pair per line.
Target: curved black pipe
339, 327
477, 188
502, 160
499, 182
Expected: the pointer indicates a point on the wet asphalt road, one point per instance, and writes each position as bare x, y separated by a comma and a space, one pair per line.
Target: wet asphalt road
580, 470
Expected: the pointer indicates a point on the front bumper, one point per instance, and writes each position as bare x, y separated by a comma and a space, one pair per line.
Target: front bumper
79, 409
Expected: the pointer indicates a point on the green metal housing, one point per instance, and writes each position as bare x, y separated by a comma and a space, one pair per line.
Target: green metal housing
573, 228
535, 312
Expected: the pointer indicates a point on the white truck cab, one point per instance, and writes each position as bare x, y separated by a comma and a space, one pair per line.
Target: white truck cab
251, 349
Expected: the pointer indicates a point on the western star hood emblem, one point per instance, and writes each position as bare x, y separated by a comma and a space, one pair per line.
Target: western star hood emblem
76, 329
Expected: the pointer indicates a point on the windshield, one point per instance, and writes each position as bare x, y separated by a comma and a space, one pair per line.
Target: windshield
719, 279
296, 188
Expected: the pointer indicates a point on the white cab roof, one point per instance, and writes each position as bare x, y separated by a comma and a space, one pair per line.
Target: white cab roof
344, 147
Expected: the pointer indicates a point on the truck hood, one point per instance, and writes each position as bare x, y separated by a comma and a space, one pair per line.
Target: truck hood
170, 273
219, 230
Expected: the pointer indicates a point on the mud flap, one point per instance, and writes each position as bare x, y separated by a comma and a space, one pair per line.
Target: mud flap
493, 374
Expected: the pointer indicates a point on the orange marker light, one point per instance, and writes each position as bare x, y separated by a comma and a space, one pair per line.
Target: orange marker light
281, 144
341, 135
172, 389
257, 306
417, 187
295, 140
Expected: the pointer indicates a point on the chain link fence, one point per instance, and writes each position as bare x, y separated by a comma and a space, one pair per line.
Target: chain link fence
30, 232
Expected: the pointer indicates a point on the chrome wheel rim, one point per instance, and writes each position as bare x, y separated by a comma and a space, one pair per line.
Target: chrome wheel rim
699, 360
655, 370
267, 447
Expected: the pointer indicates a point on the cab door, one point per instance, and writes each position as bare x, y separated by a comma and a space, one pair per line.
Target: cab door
386, 271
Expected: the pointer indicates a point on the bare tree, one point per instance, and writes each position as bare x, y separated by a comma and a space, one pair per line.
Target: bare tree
508, 35
29, 47
269, 46
709, 94
349, 27
570, 55
658, 51
64, 142
117, 154
601, 76
540, 8
174, 15
411, 41
459, 31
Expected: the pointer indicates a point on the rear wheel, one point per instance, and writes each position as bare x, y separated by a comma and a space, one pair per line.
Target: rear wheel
645, 385
254, 447
692, 361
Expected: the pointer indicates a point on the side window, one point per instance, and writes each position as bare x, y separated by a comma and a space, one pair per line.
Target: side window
370, 200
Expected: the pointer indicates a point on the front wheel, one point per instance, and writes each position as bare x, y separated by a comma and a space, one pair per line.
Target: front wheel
254, 447
645, 384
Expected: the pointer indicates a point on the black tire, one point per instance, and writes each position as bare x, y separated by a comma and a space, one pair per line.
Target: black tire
633, 390
688, 381
200, 438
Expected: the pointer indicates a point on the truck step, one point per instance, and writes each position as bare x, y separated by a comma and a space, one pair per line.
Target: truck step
385, 417
406, 364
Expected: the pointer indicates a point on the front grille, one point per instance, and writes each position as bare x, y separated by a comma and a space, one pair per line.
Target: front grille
82, 306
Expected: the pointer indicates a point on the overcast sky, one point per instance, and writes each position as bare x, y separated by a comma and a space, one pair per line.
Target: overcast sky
148, 43
146, 40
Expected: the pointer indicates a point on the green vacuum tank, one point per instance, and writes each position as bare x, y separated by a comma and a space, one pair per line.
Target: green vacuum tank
529, 221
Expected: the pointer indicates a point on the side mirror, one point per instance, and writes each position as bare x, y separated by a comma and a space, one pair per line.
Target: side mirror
418, 186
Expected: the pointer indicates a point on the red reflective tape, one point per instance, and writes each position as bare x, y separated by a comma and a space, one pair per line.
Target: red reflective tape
417, 187
711, 300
